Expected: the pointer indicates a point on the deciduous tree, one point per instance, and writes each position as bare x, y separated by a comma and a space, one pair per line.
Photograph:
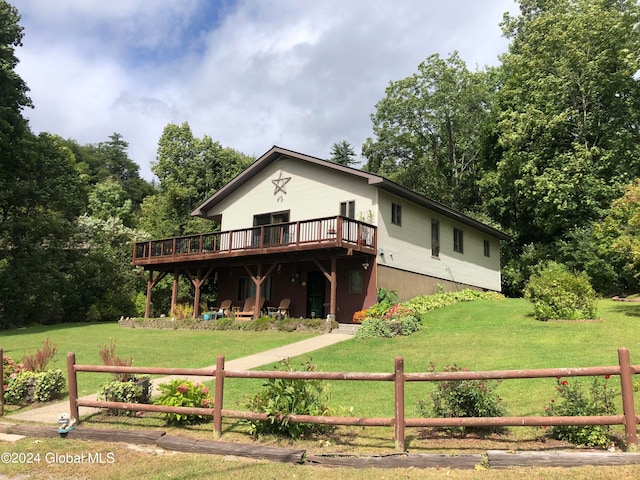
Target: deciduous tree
569, 124
428, 130
189, 170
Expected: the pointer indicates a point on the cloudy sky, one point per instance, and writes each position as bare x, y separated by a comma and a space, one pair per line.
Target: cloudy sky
301, 74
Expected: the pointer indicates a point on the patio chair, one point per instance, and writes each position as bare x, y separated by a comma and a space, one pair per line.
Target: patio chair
282, 310
225, 309
247, 309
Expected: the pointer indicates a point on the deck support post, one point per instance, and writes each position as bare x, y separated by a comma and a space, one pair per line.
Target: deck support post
334, 288
174, 290
333, 283
258, 279
197, 282
151, 282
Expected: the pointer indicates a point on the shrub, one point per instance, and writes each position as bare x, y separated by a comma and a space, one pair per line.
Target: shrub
184, 393
425, 303
49, 384
464, 398
556, 293
126, 392
141, 304
283, 397
108, 356
387, 296
38, 362
182, 311
373, 327
27, 387
397, 320
577, 401
10, 369
359, 316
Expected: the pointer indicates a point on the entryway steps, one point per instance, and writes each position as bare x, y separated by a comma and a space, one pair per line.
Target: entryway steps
346, 328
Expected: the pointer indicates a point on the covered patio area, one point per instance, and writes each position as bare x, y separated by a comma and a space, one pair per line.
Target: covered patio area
326, 267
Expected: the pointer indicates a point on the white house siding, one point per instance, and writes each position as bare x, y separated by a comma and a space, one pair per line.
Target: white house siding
311, 192
408, 247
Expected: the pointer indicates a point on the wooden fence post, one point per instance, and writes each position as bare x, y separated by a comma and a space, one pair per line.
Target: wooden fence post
399, 401
219, 395
626, 383
73, 387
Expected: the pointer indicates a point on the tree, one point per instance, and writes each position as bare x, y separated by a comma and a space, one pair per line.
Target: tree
13, 90
617, 237
47, 195
110, 161
189, 170
342, 153
429, 129
569, 120
108, 199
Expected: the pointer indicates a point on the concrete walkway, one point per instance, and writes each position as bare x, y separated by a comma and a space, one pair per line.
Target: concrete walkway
49, 413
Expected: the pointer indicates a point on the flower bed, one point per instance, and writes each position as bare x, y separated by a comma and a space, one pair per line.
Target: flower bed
261, 324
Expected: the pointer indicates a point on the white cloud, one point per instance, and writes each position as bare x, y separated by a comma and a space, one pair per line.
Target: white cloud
300, 74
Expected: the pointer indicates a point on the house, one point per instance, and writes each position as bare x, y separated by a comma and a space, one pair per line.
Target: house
326, 237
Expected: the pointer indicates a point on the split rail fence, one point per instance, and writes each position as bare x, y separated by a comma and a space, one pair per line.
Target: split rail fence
624, 370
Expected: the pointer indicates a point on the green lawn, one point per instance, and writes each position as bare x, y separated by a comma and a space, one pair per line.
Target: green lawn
149, 348
484, 335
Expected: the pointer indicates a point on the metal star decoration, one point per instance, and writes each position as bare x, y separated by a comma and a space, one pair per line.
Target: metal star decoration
280, 184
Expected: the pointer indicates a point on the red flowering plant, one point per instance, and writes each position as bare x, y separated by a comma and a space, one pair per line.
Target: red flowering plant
397, 311
184, 393
576, 400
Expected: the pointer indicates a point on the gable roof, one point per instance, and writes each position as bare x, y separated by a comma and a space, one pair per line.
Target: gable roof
376, 180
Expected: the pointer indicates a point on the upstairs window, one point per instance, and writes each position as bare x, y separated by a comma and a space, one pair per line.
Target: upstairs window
487, 248
348, 209
435, 238
396, 214
458, 240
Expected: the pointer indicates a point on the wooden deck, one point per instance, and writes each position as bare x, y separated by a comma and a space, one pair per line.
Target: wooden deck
320, 233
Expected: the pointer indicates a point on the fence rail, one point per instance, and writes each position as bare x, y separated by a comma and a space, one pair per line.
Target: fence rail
624, 370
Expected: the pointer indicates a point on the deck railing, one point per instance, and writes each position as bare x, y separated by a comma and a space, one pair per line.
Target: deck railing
321, 232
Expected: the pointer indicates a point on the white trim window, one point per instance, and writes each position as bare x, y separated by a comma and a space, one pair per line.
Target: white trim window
458, 240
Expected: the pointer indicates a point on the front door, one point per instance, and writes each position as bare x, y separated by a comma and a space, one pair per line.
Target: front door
315, 294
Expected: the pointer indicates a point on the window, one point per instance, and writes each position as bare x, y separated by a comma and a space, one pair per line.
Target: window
355, 281
271, 218
396, 214
435, 238
348, 209
487, 248
458, 241
247, 288
272, 235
